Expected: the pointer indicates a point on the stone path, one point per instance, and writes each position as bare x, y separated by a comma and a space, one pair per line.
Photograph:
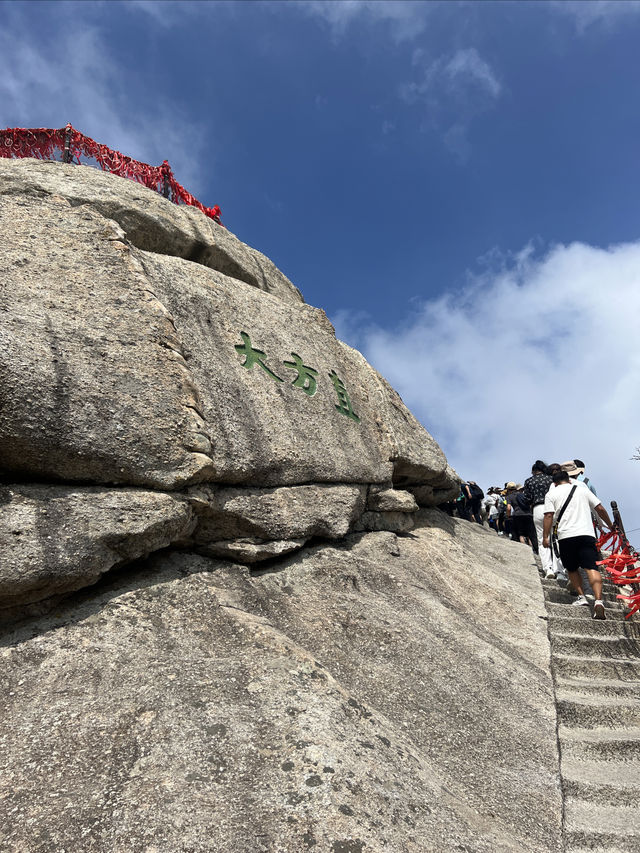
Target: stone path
596, 673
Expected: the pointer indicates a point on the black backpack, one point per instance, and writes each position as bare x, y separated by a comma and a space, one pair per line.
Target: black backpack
523, 503
476, 491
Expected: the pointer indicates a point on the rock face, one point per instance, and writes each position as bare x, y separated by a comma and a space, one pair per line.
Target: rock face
149, 221
55, 538
213, 641
377, 694
141, 347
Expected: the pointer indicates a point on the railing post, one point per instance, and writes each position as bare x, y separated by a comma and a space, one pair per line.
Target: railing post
617, 519
66, 154
166, 187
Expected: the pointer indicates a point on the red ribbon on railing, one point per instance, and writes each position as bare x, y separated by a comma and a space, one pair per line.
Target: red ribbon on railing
43, 143
621, 566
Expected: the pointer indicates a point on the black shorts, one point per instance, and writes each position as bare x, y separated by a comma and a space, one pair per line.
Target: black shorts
578, 552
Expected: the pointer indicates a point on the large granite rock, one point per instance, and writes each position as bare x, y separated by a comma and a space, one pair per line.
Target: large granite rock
307, 409
54, 539
93, 384
149, 221
130, 367
377, 694
292, 512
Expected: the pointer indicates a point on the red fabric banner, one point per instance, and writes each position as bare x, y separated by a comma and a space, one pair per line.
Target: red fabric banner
43, 144
621, 566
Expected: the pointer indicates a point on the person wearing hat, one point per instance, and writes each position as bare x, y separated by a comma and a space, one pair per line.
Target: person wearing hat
575, 470
571, 504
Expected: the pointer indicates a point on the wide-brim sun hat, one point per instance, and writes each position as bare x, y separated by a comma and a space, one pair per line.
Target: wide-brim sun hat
571, 468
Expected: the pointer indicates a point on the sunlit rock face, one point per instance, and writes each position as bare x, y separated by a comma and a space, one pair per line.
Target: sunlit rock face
232, 619
129, 359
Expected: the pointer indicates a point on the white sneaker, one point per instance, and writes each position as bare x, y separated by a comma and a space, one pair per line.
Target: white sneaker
580, 601
550, 574
598, 610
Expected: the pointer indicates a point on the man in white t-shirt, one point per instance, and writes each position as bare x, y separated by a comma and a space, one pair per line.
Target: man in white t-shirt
571, 504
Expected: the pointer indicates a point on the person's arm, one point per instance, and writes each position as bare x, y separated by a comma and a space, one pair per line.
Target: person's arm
604, 515
468, 492
546, 529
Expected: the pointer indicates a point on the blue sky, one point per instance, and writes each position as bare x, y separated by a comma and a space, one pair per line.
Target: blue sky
456, 184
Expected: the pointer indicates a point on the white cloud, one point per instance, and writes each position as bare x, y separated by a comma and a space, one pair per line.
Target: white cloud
406, 19
605, 13
537, 358
49, 79
452, 90
467, 65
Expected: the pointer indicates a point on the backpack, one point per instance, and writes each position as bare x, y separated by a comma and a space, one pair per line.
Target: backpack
476, 491
523, 503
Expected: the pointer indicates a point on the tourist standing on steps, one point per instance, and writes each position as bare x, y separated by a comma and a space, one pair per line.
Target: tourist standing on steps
475, 501
575, 470
570, 505
521, 517
535, 490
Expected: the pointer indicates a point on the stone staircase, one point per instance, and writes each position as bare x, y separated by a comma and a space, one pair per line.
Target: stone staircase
596, 673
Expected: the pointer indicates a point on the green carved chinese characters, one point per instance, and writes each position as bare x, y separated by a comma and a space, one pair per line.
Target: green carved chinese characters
306, 377
253, 356
344, 406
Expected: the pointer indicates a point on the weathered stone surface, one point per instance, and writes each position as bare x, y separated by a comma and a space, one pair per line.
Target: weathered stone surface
393, 695
265, 431
270, 432
149, 221
251, 551
423, 495
416, 456
93, 385
294, 512
54, 539
127, 366
391, 500
396, 522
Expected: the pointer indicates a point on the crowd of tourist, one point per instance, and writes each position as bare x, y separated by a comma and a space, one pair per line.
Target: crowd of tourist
556, 511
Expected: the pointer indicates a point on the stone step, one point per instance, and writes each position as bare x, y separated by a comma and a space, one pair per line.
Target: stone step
618, 774
616, 783
566, 611
554, 583
563, 626
577, 687
593, 792
600, 744
602, 843
598, 711
604, 847
601, 826
571, 666
619, 648
557, 595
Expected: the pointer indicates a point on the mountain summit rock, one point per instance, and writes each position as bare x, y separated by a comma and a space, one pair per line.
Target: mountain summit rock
231, 618
132, 358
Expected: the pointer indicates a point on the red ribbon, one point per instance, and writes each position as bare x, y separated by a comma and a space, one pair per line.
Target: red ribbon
621, 566
43, 143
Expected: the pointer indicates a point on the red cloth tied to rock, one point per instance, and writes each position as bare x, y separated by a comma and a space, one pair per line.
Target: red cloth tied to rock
43, 144
621, 566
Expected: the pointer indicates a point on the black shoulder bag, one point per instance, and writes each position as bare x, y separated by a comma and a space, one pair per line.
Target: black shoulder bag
554, 535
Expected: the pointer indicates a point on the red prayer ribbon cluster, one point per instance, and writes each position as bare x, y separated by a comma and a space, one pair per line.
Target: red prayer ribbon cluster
622, 567
44, 143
